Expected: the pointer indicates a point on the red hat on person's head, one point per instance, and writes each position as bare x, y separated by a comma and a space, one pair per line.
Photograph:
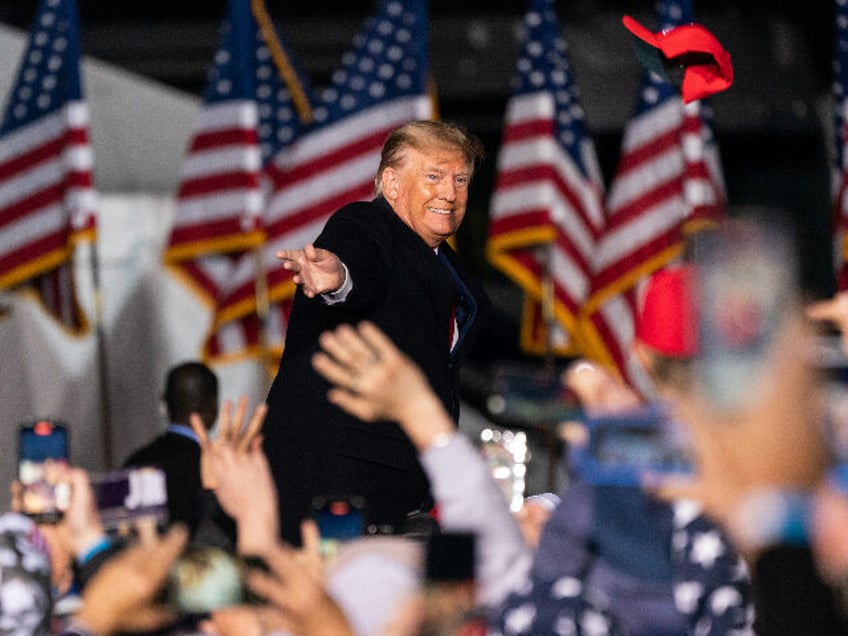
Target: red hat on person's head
705, 62
669, 320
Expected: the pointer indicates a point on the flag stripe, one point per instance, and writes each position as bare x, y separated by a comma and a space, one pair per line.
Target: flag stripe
667, 181
331, 162
47, 199
546, 209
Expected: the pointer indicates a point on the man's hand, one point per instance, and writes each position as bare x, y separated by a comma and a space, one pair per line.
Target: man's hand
318, 271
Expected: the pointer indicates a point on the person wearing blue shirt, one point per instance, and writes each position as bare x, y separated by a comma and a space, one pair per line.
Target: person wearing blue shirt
191, 387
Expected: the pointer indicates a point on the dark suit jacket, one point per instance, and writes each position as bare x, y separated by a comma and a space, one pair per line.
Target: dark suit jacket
179, 458
400, 284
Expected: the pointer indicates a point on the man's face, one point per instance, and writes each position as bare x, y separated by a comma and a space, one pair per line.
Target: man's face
429, 192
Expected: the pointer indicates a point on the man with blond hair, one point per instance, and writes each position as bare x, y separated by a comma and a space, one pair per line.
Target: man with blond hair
387, 261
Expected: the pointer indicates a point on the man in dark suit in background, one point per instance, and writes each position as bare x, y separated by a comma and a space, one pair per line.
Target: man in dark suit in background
386, 261
191, 387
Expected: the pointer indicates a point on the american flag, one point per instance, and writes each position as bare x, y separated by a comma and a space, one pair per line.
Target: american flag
668, 184
255, 102
47, 199
840, 144
382, 83
547, 206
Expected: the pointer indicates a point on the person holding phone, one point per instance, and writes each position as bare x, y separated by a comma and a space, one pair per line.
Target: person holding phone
513, 589
661, 565
43, 457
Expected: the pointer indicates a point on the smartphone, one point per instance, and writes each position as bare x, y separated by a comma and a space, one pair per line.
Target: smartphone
747, 286
530, 396
42, 466
126, 496
450, 556
622, 447
339, 519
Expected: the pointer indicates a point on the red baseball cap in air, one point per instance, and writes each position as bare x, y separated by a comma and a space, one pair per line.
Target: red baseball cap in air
669, 320
691, 48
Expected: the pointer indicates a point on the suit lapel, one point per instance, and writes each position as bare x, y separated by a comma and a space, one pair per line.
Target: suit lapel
428, 269
466, 304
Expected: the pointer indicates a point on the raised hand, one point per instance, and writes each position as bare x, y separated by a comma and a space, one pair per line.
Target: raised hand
295, 586
234, 466
835, 312
121, 596
777, 442
231, 432
374, 380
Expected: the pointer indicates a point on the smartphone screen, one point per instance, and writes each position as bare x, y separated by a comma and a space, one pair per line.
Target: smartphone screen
748, 285
125, 496
339, 519
622, 447
42, 466
530, 396
450, 556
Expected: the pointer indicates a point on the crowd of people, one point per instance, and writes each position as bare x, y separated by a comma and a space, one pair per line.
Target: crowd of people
751, 540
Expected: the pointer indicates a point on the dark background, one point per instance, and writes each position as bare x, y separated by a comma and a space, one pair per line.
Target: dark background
772, 125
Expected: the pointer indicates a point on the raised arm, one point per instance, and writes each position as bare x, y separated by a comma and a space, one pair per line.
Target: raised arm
374, 380
234, 466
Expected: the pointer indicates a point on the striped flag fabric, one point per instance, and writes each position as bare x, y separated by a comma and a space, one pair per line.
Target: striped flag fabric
255, 102
547, 205
383, 82
840, 145
47, 198
668, 184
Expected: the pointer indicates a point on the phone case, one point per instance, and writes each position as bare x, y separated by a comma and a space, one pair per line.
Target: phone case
747, 277
42, 461
622, 447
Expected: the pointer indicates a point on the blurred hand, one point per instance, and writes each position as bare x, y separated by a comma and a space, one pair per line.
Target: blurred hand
247, 492
598, 389
234, 466
776, 442
828, 536
79, 529
374, 380
231, 433
834, 311
295, 586
81, 524
532, 518
120, 597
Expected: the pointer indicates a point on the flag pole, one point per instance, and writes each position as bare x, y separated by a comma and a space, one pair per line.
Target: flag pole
548, 316
263, 307
102, 361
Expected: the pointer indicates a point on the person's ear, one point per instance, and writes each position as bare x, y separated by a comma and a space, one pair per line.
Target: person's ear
390, 184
